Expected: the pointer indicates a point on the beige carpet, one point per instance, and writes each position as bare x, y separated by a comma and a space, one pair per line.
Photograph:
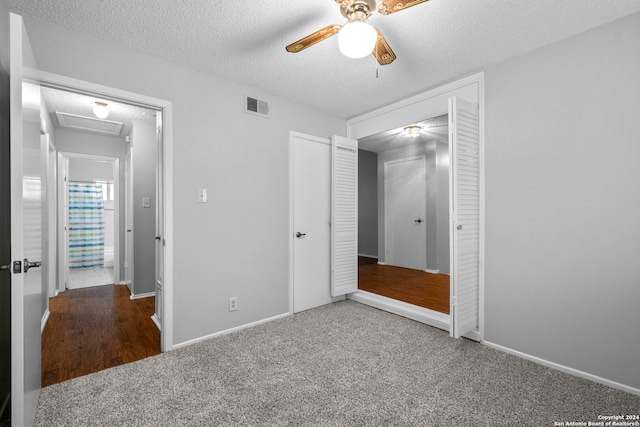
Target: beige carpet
344, 364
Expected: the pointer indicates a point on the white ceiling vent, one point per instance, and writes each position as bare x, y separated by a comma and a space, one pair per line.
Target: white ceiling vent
88, 124
256, 106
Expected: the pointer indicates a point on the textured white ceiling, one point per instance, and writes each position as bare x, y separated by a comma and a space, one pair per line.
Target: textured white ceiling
60, 101
433, 128
244, 40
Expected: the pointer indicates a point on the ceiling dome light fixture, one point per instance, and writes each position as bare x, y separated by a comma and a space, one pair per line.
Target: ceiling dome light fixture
101, 109
412, 131
357, 39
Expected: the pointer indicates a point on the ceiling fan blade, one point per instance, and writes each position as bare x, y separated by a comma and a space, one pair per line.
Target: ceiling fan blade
382, 51
314, 38
388, 7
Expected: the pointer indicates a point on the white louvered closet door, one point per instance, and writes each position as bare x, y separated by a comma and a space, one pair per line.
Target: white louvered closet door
464, 144
344, 216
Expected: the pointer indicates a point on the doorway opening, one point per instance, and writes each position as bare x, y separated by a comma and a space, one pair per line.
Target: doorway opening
99, 230
463, 102
403, 215
90, 212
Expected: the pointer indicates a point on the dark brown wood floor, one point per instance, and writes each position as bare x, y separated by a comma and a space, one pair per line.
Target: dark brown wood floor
96, 328
404, 284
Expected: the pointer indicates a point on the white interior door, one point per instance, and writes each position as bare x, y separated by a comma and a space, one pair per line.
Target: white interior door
405, 213
344, 216
26, 229
63, 222
128, 218
160, 242
311, 197
116, 232
464, 200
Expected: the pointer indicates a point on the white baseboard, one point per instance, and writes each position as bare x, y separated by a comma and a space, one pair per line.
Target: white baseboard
146, 295
228, 331
414, 312
44, 319
368, 256
428, 270
156, 321
382, 263
566, 369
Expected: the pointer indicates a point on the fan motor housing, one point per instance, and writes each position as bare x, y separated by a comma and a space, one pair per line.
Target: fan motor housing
358, 9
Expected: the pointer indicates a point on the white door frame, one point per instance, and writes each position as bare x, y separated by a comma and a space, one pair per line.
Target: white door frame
423, 242
417, 108
52, 218
63, 261
159, 230
62, 219
166, 108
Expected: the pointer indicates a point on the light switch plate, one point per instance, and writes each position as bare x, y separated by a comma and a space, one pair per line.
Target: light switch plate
146, 202
202, 195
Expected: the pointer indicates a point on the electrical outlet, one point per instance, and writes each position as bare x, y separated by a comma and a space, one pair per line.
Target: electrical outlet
233, 303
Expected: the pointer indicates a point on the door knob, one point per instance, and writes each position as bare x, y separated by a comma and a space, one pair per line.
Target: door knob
15, 267
419, 220
460, 227
299, 234
28, 264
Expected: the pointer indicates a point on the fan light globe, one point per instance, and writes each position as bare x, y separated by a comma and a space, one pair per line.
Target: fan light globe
357, 39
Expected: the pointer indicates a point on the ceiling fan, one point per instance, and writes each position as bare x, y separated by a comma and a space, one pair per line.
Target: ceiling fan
357, 39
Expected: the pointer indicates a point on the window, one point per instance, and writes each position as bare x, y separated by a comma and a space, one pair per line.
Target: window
107, 189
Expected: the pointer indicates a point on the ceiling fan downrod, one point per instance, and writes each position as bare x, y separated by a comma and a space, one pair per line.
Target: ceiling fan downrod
358, 10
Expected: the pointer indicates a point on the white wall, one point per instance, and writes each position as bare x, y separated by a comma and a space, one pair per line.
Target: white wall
90, 170
73, 141
443, 262
237, 244
563, 202
367, 203
144, 144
